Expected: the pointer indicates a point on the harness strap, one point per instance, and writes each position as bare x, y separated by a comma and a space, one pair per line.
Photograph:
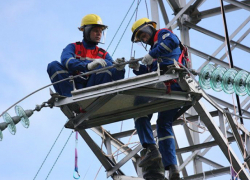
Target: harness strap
78, 51
101, 52
184, 51
168, 85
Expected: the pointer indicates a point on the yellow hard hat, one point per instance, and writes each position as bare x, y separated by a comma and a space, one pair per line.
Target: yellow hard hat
91, 19
140, 23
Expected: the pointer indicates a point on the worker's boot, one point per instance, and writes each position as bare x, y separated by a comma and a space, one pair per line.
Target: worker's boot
152, 155
154, 171
173, 172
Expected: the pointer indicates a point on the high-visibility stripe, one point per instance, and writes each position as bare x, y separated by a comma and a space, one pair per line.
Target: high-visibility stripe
81, 58
58, 72
90, 59
166, 137
165, 35
167, 48
106, 71
68, 62
155, 42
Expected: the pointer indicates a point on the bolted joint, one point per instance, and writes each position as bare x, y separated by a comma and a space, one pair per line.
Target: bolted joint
184, 18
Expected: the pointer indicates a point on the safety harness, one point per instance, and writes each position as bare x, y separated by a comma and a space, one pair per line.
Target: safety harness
81, 53
183, 59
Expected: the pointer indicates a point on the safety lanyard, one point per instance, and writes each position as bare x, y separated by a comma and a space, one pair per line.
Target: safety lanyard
76, 174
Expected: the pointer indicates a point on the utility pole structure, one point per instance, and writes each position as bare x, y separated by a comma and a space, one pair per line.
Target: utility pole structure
102, 103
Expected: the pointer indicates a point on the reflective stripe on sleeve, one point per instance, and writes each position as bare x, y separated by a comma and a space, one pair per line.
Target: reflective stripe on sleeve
165, 35
92, 59
88, 58
165, 47
68, 62
58, 72
166, 137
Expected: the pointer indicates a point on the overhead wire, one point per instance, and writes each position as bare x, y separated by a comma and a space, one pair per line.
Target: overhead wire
126, 28
70, 78
48, 153
97, 172
147, 8
87, 170
229, 53
120, 25
83, 73
88, 73
59, 155
129, 68
132, 44
224, 111
215, 103
231, 65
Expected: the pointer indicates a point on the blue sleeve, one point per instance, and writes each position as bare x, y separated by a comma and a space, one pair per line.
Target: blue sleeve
142, 70
108, 58
167, 42
69, 61
116, 75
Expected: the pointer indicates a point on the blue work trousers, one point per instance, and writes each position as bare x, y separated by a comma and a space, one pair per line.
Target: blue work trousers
58, 72
164, 132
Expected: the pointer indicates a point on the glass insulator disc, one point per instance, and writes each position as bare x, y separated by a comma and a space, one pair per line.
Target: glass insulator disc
11, 124
216, 78
228, 80
240, 83
24, 118
205, 76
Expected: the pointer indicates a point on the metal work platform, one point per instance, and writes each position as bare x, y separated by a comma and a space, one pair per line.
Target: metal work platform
142, 95
133, 97
124, 99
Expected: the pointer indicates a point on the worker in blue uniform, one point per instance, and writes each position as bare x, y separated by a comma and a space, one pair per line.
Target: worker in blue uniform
81, 57
164, 44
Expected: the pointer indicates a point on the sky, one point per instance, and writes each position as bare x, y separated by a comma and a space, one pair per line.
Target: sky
33, 33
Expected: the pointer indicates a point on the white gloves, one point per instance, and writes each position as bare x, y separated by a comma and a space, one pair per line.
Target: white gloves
118, 61
135, 65
96, 63
147, 60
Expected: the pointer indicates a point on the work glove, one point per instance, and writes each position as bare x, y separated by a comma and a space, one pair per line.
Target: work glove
135, 65
96, 63
118, 61
147, 60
